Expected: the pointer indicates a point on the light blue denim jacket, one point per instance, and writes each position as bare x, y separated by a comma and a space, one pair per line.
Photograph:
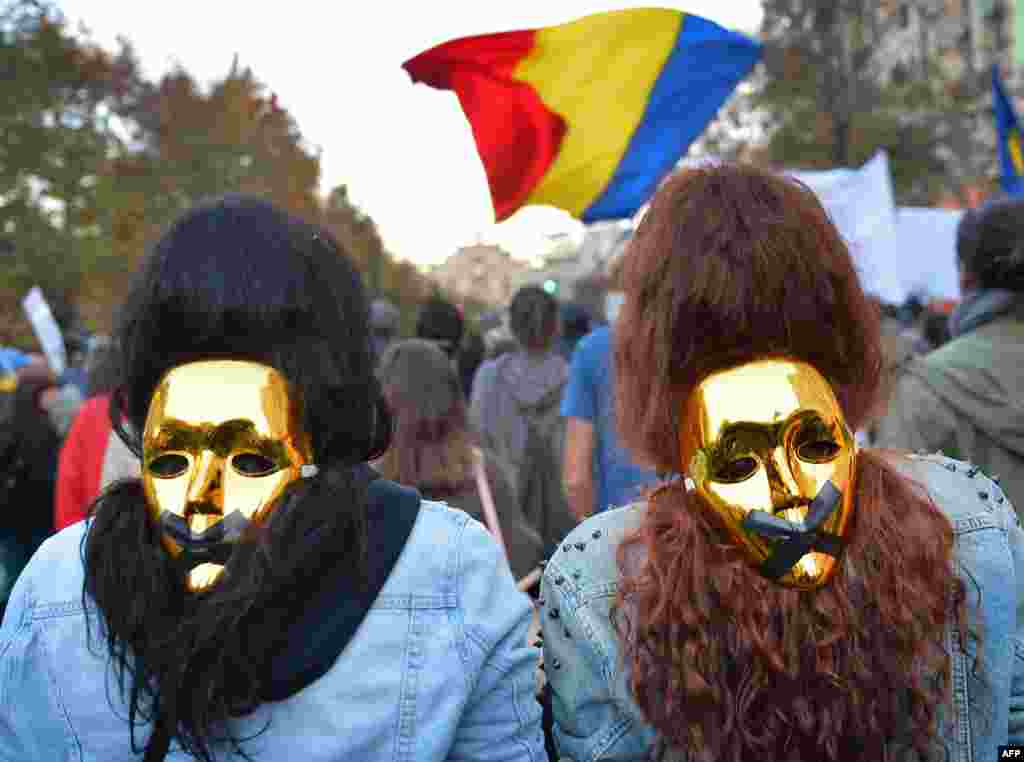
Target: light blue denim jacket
597, 719
439, 670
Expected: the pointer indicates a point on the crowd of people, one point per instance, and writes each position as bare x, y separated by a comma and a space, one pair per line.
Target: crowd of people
758, 515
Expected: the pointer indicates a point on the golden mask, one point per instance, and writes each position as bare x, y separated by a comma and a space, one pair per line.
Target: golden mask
770, 452
222, 441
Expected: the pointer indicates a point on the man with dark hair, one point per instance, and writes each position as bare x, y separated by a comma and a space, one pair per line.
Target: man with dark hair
441, 321
384, 317
967, 398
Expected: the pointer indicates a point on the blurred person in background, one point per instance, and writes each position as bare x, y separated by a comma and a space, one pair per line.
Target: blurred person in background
514, 411
384, 317
92, 456
28, 462
935, 329
790, 597
12, 359
967, 398
441, 321
597, 472
471, 356
432, 447
576, 324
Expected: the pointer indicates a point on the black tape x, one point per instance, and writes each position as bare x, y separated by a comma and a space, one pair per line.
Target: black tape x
798, 537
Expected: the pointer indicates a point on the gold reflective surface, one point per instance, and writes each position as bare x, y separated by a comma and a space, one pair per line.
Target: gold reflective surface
767, 436
221, 436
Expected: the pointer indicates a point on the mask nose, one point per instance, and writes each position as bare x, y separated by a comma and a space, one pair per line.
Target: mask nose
204, 493
781, 484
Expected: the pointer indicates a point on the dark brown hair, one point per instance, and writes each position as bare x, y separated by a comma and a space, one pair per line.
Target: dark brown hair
533, 318
731, 264
990, 244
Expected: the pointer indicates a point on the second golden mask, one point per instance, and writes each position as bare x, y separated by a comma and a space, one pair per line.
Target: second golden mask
770, 436
222, 441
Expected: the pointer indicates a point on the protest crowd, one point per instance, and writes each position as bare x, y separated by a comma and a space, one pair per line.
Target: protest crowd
756, 510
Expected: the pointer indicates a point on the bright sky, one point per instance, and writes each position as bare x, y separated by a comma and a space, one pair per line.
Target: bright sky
405, 151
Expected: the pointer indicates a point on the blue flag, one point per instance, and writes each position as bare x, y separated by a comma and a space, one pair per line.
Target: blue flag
1011, 154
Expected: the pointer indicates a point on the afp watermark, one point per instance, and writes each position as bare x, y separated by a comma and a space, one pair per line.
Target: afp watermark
1011, 752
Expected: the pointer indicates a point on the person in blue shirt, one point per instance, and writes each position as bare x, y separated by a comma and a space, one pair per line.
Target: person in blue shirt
12, 359
597, 472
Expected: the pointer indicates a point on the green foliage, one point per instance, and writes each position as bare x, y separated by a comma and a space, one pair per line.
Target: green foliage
95, 160
826, 104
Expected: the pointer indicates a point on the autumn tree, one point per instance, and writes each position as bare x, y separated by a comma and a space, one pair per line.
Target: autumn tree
832, 95
96, 160
55, 137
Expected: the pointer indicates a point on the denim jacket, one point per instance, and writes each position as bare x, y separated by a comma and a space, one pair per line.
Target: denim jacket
595, 715
440, 669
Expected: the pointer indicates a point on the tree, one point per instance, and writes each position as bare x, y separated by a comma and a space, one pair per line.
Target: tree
833, 96
56, 136
96, 160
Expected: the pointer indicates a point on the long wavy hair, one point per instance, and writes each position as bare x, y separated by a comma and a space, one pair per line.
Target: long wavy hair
234, 278
731, 264
431, 446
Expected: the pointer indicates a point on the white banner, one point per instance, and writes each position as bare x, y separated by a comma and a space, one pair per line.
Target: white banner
46, 329
898, 251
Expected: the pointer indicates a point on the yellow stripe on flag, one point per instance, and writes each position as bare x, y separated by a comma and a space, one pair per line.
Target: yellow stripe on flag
1016, 156
597, 73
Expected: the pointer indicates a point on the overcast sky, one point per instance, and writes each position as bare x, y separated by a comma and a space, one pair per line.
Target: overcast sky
405, 151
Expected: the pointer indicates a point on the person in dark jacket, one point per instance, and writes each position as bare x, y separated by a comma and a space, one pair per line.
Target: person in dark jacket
28, 463
967, 398
442, 322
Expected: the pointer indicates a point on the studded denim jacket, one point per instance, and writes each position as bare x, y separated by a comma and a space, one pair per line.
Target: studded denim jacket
597, 719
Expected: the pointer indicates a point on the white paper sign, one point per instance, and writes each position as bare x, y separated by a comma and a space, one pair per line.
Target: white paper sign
46, 329
612, 304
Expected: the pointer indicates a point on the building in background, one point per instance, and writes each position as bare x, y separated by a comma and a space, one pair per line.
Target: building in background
481, 273
579, 273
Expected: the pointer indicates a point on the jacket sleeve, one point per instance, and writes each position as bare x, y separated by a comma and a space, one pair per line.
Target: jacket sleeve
594, 715
502, 718
1015, 535
31, 719
916, 419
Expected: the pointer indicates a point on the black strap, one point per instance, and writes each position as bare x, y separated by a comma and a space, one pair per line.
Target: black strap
548, 721
331, 618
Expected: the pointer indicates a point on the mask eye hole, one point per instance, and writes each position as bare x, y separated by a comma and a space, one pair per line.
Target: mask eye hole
251, 464
168, 466
818, 451
736, 470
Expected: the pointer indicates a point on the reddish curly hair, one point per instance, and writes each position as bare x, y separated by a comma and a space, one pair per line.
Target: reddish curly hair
730, 264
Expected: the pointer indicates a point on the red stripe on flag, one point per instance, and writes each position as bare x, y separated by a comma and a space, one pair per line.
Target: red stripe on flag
516, 135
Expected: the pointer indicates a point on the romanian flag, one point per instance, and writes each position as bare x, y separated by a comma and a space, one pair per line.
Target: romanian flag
1011, 158
588, 116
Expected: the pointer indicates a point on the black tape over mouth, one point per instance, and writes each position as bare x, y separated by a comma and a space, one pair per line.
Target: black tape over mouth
797, 537
213, 545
